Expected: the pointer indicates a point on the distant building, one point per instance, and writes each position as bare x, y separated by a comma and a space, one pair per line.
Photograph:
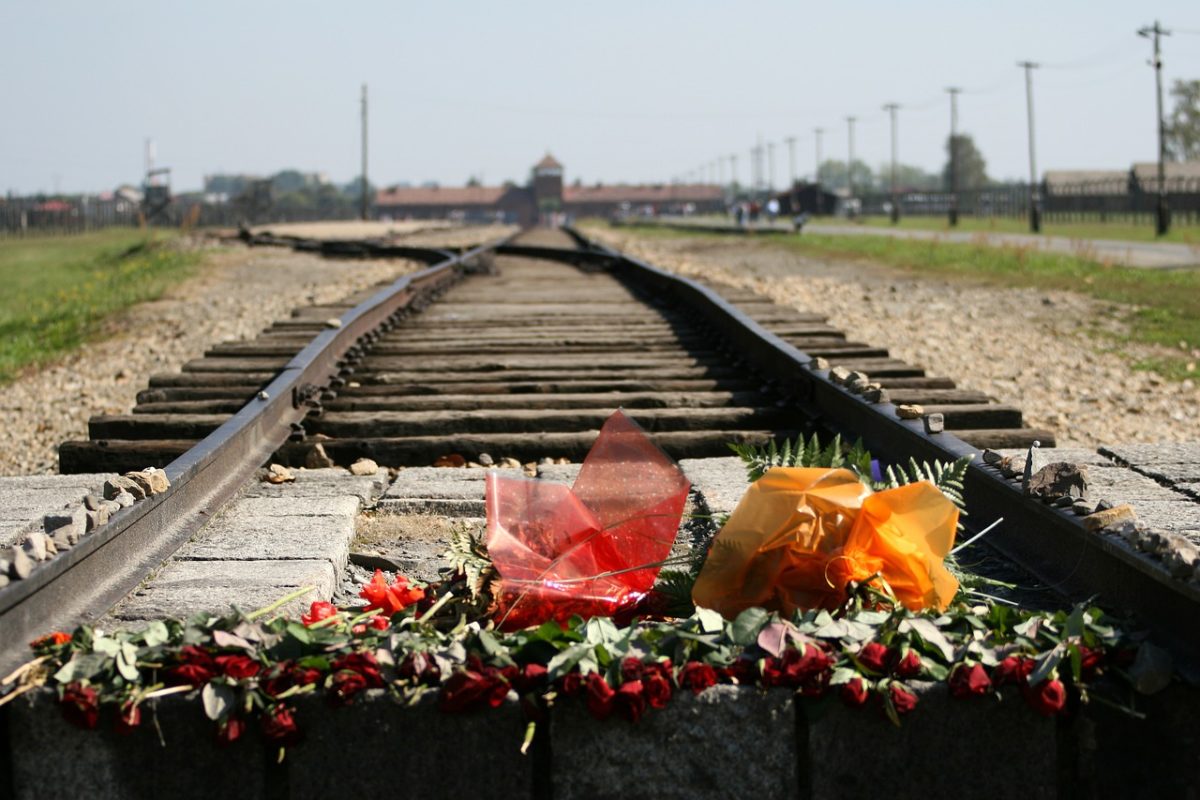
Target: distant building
545, 195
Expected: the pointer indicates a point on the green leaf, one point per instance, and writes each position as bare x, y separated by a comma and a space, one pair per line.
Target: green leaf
745, 628
217, 699
155, 634
930, 634
299, 632
127, 661
1046, 664
710, 621
843, 675
106, 646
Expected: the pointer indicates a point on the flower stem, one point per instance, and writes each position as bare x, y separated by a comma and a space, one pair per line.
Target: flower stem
280, 602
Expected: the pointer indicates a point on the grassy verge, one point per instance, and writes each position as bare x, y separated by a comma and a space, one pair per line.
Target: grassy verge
1164, 305
58, 291
1120, 231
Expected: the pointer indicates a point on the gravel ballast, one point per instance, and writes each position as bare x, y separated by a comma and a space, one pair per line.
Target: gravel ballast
1047, 352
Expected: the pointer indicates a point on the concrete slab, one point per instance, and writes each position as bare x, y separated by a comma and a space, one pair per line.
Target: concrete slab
431, 754
171, 755
726, 742
720, 482
1120, 485
25, 499
1073, 455
322, 483
246, 538
1172, 515
1164, 453
184, 588
854, 752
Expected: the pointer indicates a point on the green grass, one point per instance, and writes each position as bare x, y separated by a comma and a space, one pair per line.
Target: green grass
1120, 231
1164, 304
59, 291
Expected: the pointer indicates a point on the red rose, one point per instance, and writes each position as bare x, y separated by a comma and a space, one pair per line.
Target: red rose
379, 623
1047, 698
238, 666
629, 700
909, 666
344, 685
278, 725
570, 684
875, 657
657, 689
740, 673
304, 676
230, 730
631, 669
55, 639
969, 681
80, 705
1090, 659
854, 693
278, 679
318, 611
362, 663
195, 668
772, 673
128, 718
697, 676
903, 700
599, 696
807, 669
390, 599
529, 678
1012, 671
465, 690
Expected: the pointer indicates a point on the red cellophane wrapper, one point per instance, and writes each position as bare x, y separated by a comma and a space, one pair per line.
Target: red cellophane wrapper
592, 549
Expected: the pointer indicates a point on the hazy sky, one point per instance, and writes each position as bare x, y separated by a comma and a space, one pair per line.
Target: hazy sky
617, 90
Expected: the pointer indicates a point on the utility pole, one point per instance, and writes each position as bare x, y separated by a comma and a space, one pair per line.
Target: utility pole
733, 169
891, 108
1162, 214
1035, 208
770, 167
954, 92
791, 143
364, 201
759, 152
850, 165
817, 174
721, 172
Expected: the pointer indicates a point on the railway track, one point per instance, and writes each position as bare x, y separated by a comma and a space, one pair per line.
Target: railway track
520, 348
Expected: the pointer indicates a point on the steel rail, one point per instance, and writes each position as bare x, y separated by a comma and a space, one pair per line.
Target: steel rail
1050, 543
82, 583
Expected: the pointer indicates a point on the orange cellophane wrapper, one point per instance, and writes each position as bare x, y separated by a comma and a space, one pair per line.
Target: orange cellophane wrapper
592, 549
798, 536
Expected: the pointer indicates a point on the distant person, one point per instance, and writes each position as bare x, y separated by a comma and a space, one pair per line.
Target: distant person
772, 210
739, 214
799, 221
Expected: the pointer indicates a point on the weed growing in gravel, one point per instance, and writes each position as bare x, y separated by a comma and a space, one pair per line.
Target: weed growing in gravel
58, 291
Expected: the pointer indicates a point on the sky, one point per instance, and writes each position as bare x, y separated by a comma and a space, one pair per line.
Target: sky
621, 90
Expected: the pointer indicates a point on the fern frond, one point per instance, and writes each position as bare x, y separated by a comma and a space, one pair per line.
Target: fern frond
468, 554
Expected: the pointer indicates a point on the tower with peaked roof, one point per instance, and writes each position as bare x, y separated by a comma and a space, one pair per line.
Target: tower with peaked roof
548, 184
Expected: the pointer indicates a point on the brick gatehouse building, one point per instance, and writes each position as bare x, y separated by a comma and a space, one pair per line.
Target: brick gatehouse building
545, 195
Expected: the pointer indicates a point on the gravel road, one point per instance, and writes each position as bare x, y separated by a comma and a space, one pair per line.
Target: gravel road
1049, 353
234, 293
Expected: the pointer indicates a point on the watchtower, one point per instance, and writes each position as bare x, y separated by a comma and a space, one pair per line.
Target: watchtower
548, 184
